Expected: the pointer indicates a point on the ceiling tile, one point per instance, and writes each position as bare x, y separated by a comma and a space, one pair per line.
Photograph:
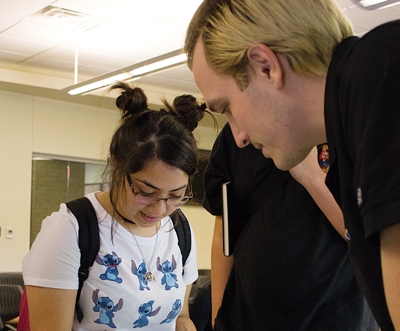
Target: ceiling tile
179, 73
151, 48
11, 58
124, 39
182, 86
344, 3
154, 80
190, 80
26, 47
114, 63
103, 8
16, 10
6, 22
40, 33
50, 64
368, 19
93, 71
104, 40
62, 53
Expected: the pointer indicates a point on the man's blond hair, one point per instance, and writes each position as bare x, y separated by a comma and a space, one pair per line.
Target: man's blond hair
305, 31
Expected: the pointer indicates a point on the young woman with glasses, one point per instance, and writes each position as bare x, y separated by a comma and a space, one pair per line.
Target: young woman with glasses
137, 280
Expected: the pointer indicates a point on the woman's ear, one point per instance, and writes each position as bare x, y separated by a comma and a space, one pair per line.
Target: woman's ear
265, 63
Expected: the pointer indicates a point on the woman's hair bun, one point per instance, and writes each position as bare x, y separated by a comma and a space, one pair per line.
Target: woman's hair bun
187, 110
131, 101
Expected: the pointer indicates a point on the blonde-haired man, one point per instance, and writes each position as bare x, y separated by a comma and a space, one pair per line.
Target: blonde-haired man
289, 75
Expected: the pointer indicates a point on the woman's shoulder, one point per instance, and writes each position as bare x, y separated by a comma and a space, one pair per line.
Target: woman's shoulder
54, 256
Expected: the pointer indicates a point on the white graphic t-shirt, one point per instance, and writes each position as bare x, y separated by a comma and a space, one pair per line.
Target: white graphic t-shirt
116, 294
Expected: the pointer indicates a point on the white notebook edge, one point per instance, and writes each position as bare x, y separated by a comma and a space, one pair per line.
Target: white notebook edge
225, 219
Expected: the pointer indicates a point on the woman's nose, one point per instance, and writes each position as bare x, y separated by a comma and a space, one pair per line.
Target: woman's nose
158, 208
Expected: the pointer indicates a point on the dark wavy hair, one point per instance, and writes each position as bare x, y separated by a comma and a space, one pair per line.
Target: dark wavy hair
147, 135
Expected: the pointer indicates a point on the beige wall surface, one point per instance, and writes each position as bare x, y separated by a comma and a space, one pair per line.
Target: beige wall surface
15, 177
36, 124
63, 128
202, 223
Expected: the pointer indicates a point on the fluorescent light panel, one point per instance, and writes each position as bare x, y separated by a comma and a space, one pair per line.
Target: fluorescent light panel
374, 4
181, 58
133, 72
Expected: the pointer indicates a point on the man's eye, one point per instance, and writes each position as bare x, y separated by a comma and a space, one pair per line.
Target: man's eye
225, 110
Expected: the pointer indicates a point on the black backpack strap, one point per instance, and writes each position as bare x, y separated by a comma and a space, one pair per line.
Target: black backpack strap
182, 229
89, 241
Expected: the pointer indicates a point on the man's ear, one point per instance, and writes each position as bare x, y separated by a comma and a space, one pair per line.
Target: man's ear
265, 62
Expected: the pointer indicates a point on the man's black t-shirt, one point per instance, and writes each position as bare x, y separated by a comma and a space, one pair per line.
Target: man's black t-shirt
291, 270
362, 115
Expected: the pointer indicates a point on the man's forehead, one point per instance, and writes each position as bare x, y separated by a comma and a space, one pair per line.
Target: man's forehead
199, 59
198, 49
211, 85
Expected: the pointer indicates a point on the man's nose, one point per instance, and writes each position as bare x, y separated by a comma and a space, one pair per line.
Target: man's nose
242, 139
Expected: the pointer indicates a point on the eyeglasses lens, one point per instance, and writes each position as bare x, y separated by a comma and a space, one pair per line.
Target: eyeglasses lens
150, 199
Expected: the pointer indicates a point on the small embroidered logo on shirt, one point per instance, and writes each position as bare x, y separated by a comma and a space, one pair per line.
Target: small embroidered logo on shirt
323, 158
347, 235
359, 197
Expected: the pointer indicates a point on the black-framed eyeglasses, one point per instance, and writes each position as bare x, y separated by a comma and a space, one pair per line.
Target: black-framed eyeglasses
149, 199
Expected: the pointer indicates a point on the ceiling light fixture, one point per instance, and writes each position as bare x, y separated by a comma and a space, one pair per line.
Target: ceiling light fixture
374, 4
65, 19
133, 72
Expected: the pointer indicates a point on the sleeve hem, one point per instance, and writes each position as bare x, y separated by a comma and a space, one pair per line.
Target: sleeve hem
51, 283
381, 217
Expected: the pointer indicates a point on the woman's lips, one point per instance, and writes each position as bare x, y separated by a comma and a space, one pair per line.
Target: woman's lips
148, 218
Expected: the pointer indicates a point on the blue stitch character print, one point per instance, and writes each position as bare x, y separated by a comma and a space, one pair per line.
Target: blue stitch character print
111, 262
145, 310
105, 306
140, 272
169, 279
176, 309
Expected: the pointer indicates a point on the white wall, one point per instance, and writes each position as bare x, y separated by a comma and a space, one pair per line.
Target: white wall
32, 124
15, 177
72, 129
203, 227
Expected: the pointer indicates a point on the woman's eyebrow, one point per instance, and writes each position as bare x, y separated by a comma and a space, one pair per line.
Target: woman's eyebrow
156, 188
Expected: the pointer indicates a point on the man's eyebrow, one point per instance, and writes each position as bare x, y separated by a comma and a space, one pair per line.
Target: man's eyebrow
156, 188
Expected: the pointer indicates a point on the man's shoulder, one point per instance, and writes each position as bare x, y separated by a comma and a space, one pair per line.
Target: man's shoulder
381, 38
